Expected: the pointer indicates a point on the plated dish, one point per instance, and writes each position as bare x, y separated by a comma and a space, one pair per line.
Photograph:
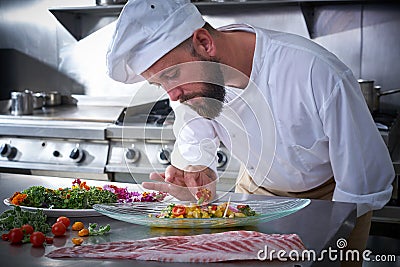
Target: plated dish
59, 212
146, 214
78, 199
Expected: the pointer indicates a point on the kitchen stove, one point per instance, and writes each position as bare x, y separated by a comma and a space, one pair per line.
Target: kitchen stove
108, 139
96, 139
64, 140
150, 133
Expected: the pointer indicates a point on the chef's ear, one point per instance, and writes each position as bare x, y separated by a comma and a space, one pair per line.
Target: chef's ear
204, 43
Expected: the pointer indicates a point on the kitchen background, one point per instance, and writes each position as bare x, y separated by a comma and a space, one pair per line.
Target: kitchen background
37, 51
59, 45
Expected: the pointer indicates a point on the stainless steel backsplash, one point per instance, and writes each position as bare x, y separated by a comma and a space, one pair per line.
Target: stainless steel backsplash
365, 36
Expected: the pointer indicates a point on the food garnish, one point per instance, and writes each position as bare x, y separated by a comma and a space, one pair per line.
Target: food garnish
80, 196
77, 241
58, 229
203, 196
92, 230
101, 231
77, 226
64, 220
16, 218
206, 211
15, 236
37, 239
83, 232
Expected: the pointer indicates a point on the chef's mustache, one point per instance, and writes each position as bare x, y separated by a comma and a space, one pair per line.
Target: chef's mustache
209, 102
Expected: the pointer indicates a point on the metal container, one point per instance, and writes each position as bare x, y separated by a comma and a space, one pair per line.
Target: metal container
38, 100
367, 89
52, 99
5, 106
372, 93
21, 103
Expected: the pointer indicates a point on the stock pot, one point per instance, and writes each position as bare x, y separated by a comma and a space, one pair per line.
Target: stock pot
52, 99
21, 103
372, 93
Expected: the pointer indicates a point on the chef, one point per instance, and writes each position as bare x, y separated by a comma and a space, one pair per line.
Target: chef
288, 109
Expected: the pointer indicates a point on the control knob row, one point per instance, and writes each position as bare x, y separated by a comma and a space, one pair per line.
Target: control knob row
132, 155
77, 155
164, 157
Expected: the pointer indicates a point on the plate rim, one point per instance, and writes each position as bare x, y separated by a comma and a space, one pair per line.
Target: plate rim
213, 222
56, 212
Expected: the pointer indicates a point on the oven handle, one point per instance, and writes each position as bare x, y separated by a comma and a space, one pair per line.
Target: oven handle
51, 167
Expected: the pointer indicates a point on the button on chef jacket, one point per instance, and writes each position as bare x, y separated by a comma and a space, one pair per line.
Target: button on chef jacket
301, 120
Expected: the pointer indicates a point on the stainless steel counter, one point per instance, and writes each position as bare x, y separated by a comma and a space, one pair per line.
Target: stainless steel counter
319, 225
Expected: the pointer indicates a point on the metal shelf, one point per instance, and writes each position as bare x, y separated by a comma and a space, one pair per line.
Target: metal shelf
82, 21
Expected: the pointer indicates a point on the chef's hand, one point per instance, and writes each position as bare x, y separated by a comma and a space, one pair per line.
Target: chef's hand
185, 184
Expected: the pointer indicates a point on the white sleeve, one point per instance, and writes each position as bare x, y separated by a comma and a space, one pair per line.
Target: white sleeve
360, 160
196, 140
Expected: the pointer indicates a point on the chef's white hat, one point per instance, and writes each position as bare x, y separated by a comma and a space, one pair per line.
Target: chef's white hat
146, 30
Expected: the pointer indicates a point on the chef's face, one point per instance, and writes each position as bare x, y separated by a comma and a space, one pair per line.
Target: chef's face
191, 79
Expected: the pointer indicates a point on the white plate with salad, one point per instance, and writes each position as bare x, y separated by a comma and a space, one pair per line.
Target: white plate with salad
77, 200
58, 212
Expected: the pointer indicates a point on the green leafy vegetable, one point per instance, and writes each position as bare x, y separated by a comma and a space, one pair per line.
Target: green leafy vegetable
101, 231
67, 198
15, 218
246, 210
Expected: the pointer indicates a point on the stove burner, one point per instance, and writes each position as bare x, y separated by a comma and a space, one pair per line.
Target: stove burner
160, 114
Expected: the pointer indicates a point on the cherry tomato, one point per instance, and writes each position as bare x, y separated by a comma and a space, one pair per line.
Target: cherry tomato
37, 239
77, 241
27, 229
58, 229
4, 237
15, 235
83, 232
178, 210
49, 240
64, 220
77, 226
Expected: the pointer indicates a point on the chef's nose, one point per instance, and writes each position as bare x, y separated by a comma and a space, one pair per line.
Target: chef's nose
175, 93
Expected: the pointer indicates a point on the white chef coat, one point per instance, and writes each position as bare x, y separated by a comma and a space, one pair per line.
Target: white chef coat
301, 120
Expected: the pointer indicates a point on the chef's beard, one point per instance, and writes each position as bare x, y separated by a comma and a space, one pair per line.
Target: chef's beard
210, 103
211, 99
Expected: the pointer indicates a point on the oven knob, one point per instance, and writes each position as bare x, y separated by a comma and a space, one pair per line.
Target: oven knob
132, 155
5, 150
8, 151
164, 156
222, 158
77, 155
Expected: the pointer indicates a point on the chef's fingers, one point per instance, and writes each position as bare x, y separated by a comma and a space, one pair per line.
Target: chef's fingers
174, 175
179, 192
155, 176
155, 186
201, 182
196, 176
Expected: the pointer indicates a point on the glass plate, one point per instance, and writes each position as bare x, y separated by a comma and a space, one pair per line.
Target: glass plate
138, 213
59, 212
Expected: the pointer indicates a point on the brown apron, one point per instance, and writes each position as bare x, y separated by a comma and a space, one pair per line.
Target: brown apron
246, 185
359, 235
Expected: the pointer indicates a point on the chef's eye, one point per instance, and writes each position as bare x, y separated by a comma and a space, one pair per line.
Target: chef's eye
172, 75
155, 84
